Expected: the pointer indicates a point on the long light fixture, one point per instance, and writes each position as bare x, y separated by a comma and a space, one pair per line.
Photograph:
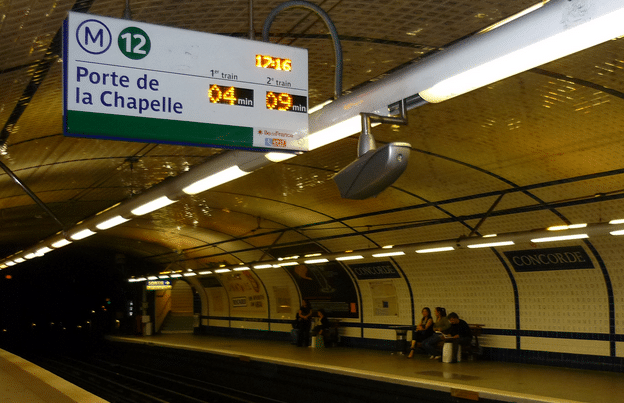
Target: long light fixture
490, 244
219, 178
560, 238
539, 35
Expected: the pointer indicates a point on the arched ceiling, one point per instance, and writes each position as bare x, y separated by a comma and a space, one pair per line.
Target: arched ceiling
549, 139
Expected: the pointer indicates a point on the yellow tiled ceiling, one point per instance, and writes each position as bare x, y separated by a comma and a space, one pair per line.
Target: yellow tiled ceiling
544, 137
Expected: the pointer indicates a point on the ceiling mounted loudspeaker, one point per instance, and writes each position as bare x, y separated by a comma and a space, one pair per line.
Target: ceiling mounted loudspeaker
374, 171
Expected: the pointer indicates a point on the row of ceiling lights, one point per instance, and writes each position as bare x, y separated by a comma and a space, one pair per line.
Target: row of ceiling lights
551, 234
541, 34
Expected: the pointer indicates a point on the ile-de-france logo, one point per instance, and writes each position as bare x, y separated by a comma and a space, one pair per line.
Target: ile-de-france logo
95, 38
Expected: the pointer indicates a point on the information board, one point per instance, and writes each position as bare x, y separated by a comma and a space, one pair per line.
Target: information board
133, 81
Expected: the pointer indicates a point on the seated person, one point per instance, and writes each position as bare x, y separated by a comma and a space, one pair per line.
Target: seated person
440, 327
323, 323
423, 331
459, 330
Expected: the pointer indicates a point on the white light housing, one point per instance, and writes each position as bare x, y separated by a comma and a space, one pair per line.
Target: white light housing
205, 272
565, 227
217, 179
279, 157
82, 234
619, 232
263, 266
350, 257
61, 243
291, 263
618, 221
152, 278
42, 251
222, 270
490, 244
244, 268
111, 223
313, 261
433, 250
189, 274
558, 29
560, 238
20, 260
30, 255
152, 205
10, 263
176, 275
397, 253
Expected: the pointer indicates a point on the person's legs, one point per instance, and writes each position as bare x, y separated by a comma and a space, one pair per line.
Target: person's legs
430, 344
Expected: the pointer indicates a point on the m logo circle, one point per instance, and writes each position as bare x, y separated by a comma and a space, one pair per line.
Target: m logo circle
94, 37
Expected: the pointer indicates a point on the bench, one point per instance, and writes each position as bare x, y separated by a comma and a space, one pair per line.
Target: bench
471, 349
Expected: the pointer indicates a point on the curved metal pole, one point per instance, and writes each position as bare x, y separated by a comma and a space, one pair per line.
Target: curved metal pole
332, 29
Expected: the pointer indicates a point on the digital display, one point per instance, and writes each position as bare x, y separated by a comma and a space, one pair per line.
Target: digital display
222, 94
276, 63
282, 101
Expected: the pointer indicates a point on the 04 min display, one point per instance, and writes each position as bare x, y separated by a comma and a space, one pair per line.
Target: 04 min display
221, 94
282, 101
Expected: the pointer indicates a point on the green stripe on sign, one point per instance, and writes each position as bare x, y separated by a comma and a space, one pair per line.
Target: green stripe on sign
150, 130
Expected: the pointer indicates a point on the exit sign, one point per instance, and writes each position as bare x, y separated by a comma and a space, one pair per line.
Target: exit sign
125, 80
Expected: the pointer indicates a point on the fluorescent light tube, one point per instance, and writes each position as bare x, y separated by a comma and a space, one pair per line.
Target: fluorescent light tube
560, 238
189, 274
336, 132
222, 270
291, 263
263, 266
10, 263
351, 257
152, 205
176, 275
213, 180
61, 243
618, 232
398, 253
554, 31
490, 244
618, 221
279, 157
433, 250
111, 223
241, 269
313, 261
205, 272
30, 256
20, 260
82, 234
42, 251
565, 227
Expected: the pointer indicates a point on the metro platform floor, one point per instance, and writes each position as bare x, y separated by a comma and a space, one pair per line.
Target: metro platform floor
502, 381
22, 381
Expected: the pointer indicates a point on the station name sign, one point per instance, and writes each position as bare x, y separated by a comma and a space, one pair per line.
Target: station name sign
132, 81
378, 270
565, 258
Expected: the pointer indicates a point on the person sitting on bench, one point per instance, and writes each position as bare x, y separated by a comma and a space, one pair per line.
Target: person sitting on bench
440, 327
459, 330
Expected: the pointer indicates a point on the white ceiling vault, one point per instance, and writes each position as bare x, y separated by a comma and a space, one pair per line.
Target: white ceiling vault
549, 139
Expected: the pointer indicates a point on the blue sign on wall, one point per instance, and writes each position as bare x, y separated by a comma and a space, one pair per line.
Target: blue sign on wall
565, 258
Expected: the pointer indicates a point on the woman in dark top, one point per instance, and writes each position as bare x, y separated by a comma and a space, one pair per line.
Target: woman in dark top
323, 323
303, 323
423, 330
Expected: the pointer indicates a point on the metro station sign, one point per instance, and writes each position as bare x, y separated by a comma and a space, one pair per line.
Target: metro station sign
125, 80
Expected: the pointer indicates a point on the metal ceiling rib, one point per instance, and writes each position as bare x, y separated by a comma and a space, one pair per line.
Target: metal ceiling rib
545, 126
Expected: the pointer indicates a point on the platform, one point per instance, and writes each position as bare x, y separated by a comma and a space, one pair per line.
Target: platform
502, 381
23, 381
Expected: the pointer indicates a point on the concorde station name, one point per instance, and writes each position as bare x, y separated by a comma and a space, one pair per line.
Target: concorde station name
112, 92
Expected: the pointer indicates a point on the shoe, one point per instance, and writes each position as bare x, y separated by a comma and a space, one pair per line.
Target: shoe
437, 357
431, 358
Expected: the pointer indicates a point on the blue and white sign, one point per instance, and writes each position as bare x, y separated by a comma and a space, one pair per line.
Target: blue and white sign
133, 81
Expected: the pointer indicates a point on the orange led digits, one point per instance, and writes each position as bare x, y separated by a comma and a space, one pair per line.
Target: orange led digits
276, 63
286, 102
218, 94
